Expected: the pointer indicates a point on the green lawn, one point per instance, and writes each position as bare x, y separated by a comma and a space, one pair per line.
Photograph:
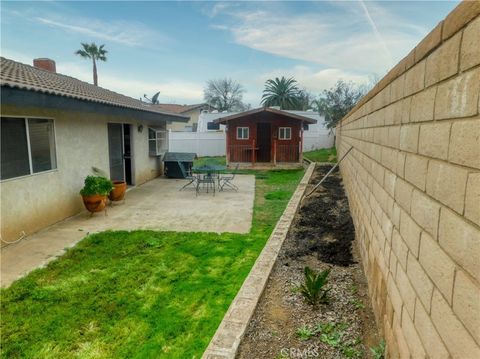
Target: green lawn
323, 155
141, 294
216, 160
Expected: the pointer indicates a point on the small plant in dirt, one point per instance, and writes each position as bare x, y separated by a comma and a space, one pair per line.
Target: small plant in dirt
334, 335
354, 289
305, 333
378, 352
313, 288
331, 334
357, 303
350, 348
295, 289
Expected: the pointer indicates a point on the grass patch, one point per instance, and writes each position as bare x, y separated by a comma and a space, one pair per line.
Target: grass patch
278, 195
323, 155
139, 294
213, 160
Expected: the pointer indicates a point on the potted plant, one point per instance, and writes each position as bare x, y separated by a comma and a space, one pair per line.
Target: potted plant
94, 193
119, 187
118, 191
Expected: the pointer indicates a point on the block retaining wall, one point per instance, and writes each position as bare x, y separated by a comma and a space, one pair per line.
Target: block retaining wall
413, 183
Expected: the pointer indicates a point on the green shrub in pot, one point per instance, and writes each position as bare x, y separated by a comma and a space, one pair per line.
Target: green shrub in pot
96, 185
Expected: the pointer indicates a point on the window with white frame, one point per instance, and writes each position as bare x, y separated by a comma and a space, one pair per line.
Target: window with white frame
285, 133
157, 142
242, 133
27, 147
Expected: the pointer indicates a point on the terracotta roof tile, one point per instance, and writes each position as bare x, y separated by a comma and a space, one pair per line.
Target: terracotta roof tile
17, 75
175, 108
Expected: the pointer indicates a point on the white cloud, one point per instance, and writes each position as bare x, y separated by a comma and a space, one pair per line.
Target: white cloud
177, 91
123, 32
314, 81
308, 77
341, 39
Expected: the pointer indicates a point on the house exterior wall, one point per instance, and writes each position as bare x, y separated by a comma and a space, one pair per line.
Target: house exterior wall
283, 148
413, 183
180, 126
35, 201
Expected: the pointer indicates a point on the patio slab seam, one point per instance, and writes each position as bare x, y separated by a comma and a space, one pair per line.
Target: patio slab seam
226, 340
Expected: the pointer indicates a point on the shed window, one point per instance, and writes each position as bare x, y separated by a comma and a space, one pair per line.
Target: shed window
242, 133
28, 146
285, 133
157, 142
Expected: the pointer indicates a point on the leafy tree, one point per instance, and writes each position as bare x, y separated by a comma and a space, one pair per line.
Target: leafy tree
305, 100
91, 51
281, 92
224, 95
336, 102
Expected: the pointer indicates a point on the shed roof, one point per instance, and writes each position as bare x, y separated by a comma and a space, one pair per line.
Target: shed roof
179, 157
17, 75
294, 116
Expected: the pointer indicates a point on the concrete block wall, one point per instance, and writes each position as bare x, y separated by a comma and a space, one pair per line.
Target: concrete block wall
413, 183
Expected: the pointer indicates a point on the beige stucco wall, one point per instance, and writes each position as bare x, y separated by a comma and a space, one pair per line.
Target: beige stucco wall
32, 202
180, 126
413, 183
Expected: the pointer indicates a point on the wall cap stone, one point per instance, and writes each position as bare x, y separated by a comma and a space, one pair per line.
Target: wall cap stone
226, 340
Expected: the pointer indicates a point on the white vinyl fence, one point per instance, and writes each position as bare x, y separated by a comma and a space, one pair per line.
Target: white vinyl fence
201, 143
214, 143
317, 140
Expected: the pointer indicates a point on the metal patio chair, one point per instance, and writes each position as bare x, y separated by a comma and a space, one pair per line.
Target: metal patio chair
188, 175
207, 181
227, 181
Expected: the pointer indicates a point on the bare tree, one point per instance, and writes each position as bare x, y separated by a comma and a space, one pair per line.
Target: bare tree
224, 95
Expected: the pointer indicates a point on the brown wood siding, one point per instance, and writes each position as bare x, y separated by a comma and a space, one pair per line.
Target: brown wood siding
280, 150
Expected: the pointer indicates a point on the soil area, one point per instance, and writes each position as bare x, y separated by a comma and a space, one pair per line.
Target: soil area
321, 237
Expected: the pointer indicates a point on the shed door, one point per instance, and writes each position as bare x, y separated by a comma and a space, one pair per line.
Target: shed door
115, 150
264, 142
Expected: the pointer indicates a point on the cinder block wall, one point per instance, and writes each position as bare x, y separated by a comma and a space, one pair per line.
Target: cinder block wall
413, 183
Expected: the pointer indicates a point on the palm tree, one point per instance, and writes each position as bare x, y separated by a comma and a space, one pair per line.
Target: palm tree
91, 51
281, 92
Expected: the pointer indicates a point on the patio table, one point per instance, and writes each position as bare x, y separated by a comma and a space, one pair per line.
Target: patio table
209, 168
210, 171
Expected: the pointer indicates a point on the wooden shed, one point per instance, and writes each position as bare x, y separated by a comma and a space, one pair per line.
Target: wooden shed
264, 135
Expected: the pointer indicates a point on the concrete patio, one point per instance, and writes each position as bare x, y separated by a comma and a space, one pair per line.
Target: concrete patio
156, 205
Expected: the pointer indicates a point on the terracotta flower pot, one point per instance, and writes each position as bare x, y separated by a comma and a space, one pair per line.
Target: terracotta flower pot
95, 203
118, 191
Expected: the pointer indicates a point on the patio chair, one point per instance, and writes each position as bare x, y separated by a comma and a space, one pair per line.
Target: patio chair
188, 175
209, 181
227, 181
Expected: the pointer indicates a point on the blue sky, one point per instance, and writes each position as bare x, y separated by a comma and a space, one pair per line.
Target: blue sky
175, 47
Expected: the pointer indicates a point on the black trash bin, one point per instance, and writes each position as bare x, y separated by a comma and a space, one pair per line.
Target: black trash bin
178, 164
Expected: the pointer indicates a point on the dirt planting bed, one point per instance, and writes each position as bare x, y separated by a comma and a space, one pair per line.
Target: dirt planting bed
284, 325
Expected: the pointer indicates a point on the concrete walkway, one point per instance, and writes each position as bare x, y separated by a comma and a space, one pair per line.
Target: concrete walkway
157, 205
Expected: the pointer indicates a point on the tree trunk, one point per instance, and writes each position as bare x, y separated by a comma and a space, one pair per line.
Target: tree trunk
95, 77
